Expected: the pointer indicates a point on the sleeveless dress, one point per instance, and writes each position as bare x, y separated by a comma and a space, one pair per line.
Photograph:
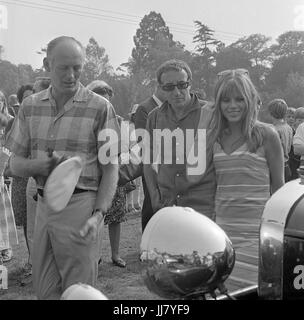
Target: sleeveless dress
243, 187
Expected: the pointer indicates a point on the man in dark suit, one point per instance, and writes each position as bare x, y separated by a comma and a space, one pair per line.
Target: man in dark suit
141, 114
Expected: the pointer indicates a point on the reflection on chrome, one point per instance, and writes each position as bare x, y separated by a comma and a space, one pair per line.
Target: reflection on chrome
205, 260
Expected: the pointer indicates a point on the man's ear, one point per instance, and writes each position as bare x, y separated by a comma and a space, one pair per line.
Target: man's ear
46, 64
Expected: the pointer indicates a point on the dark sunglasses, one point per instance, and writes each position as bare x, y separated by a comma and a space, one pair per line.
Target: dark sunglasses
233, 71
180, 85
104, 91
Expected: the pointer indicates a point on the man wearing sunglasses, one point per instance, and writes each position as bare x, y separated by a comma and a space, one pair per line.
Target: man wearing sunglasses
171, 183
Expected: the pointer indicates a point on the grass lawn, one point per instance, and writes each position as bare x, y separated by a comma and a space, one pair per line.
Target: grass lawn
116, 283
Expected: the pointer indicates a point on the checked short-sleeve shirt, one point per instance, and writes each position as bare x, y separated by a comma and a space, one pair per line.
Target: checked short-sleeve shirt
73, 131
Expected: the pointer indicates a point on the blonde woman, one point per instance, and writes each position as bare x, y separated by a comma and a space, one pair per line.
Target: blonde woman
247, 154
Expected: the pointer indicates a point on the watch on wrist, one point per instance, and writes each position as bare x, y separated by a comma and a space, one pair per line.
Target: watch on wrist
99, 212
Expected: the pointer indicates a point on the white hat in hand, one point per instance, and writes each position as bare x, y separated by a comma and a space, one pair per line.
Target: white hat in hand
61, 183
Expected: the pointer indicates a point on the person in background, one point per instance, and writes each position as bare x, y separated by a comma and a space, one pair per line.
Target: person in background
290, 117
247, 154
134, 197
41, 83
277, 109
8, 232
18, 185
299, 117
24, 91
13, 105
117, 213
298, 138
66, 249
294, 160
101, 88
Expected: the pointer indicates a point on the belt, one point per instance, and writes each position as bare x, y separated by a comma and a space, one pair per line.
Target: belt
76, 190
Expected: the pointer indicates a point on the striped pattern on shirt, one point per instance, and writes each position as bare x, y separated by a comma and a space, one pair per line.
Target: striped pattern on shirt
72, 131
243, 184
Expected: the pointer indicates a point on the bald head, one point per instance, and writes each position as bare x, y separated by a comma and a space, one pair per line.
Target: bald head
64, 61
63, 39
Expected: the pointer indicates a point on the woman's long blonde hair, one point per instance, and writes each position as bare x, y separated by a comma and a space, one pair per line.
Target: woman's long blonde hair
240, 83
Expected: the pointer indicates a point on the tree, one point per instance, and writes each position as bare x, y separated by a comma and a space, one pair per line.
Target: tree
161, 51
294, 92
153, 45
26, 74
96, 63
277, 78
204, 57
289, 43
122, 99
151, 27
232, 58
256, 46
9, 77
206, 43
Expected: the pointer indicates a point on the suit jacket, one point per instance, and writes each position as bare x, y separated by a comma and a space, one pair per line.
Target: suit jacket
129, 172
141, 115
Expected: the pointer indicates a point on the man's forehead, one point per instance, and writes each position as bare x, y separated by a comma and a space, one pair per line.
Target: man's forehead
67, 49
173, 75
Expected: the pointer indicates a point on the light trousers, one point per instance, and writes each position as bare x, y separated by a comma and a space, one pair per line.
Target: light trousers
58, 260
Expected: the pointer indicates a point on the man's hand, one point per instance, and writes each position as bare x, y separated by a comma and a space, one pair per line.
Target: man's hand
43, 167
89, 231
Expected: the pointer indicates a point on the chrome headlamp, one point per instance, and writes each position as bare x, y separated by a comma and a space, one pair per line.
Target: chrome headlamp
184, 254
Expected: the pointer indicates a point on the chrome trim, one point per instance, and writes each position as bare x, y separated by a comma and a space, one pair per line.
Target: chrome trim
184, 254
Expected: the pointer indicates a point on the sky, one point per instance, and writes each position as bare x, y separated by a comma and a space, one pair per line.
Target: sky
26, 26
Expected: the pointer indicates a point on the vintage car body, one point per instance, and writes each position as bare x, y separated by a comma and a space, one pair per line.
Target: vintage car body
174, 233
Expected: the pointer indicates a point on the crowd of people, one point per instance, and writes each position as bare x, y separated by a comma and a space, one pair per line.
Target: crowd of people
244, 160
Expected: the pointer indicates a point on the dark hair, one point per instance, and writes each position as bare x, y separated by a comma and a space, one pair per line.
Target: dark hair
277, 108
103, 91
53, 43
101, 87
291, 111
22, 89
173, 65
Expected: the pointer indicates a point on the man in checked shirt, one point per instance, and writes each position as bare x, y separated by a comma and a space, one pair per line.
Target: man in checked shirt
66, 118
